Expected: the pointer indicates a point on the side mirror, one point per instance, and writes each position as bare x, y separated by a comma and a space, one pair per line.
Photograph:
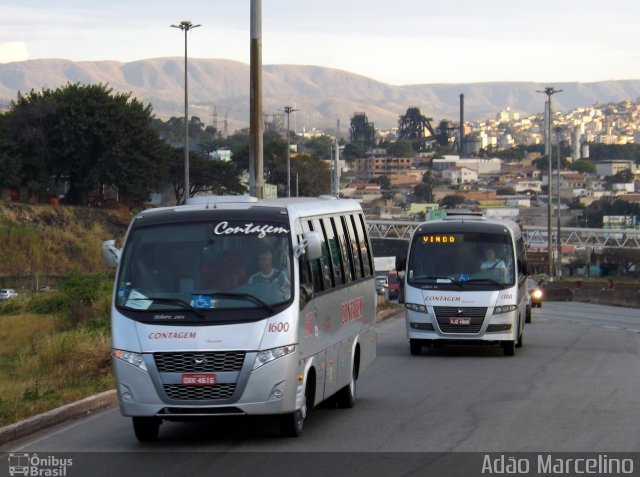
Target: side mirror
401, 264
311, 245
110, 254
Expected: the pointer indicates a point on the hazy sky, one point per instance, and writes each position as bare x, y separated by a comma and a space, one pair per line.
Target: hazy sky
398, 42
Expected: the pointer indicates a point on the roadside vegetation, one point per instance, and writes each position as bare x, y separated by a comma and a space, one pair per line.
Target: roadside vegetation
54, 346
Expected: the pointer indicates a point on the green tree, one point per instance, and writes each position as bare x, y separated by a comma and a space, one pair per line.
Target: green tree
88, 137
451, 201
401, 148
506, 191
584, 165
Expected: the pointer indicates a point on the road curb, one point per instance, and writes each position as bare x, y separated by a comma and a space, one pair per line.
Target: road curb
72, 410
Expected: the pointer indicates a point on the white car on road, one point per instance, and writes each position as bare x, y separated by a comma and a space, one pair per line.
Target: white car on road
6, 293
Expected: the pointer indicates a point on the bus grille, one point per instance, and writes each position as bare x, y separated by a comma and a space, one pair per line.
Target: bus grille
475, 314
199, 393
190, 362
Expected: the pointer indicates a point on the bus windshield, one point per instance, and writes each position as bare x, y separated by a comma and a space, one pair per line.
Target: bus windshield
205, 266
461, 259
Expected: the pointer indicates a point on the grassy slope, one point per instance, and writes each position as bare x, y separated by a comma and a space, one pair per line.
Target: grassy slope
54, 347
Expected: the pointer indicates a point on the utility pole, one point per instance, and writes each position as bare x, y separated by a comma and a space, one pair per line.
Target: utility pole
256, 164
185, 26
549, 91
288, 110
558, 240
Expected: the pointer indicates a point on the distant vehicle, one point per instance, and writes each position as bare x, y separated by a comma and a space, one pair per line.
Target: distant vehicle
536, 293
394, 285
465, 281
45, 288
6, 293
382, 284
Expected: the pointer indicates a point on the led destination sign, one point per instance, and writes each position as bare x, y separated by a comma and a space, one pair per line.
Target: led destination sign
438, 238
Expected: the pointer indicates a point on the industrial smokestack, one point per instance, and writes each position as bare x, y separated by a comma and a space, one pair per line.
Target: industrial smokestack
461, 123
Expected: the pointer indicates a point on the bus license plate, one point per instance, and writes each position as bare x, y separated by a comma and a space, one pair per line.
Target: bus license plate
459, 321
198, 379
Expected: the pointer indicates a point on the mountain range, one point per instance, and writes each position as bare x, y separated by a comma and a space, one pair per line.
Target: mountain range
219, 91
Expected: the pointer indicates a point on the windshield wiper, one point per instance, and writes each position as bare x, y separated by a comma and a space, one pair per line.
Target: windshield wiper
244, 296
170, 301
489, 280
435, 278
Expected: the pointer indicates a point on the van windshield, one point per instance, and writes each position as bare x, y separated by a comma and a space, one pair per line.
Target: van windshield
461, 259
206, 266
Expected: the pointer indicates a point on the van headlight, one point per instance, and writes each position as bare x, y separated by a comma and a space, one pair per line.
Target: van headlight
269, 355
504, 309
130, 357
416, 307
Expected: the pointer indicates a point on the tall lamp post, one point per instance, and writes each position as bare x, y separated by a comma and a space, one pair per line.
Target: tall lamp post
288, 110
557, 129
185, 26
549, 91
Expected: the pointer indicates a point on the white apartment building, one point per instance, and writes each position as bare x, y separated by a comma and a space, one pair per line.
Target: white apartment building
460, 175
613, 166
481, 166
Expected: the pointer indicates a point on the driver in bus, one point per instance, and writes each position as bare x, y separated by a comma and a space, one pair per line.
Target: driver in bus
490, 261
267, 274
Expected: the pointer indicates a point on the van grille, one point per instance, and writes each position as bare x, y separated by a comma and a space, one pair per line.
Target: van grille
199, 393
188, 362
475, 314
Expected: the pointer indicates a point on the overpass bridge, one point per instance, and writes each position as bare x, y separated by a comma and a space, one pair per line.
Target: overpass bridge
535, 237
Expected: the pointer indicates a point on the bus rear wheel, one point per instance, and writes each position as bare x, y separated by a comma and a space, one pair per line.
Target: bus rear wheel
146, 428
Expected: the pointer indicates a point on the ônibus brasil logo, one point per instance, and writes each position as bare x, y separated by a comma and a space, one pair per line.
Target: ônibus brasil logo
23, 463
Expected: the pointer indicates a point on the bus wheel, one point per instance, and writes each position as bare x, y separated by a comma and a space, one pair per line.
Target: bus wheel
346, 397
292, 424
416, 347
527, 317
146, 428
509, 348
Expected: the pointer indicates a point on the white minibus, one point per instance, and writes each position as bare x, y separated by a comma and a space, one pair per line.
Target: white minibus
231, 305
465, 281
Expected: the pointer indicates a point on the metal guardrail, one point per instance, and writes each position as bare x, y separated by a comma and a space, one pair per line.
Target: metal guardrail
581, 238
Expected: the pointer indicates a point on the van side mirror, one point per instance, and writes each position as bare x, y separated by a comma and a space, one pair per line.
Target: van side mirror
110, 254
311, 245
401, 264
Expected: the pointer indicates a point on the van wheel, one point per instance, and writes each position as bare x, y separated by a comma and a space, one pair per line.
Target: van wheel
146, 428
292, 424
527, 316
346, 397
416, 347
509, 348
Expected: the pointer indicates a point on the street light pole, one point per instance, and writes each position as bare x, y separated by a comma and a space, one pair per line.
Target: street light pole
558, 240
549, 91
288, 110
185, 26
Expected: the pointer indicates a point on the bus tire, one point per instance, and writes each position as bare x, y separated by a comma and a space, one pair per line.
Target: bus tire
416, 347
346, 397
292, 424
527, 318
509, 348
146, 428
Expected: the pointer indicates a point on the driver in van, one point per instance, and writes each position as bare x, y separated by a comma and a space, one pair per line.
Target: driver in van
268, 274
490, 261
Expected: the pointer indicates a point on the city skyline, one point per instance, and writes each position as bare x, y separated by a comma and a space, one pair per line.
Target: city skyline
413, 43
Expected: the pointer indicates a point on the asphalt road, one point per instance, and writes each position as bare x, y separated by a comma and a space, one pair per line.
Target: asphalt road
573, 387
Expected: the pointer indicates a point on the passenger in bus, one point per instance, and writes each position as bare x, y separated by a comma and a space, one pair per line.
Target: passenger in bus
267, 274
490, 261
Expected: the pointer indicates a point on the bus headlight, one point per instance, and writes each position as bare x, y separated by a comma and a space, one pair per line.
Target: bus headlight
269, 355
504, 309
416, 307
130, 357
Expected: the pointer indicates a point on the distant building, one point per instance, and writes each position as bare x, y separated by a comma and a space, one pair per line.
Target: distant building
613, 166
221, 155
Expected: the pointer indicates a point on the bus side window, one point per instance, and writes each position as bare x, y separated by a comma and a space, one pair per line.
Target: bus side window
334, 252
364, 245
345, 251
315, 266
353, 243
306, 273
325, 262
